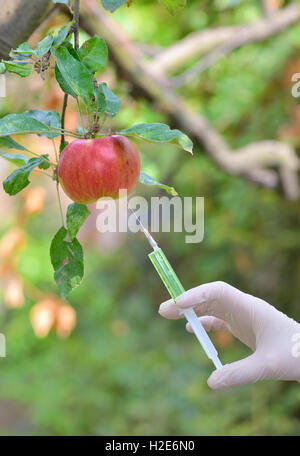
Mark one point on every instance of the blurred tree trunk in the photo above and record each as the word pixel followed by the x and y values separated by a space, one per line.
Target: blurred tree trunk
pixel 18 19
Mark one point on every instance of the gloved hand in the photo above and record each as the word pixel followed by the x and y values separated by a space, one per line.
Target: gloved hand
pixel 273 337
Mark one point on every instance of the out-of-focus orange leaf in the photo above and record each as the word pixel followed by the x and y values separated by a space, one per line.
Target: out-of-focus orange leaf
pixel 7 268
pixel 13 294
pixel 34 200
pixel 54 99
pixel 275 4
pixel 12 241
pixel 50 313
pixel 43 315
pixel 291 68
pixel 65 321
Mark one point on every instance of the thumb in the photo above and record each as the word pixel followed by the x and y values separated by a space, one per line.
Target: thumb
pixel 247 370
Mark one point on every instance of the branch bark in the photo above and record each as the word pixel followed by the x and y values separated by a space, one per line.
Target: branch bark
pixel 18 19
pixel 192 46
pixel 252 33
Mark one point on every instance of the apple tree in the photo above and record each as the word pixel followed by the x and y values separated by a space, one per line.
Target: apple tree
pixel 77 70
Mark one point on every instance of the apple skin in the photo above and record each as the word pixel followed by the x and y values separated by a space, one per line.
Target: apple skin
pixel 89 169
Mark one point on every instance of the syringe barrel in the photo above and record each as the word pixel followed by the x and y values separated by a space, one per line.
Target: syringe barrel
pixel 202 336
pixel 166 273
pixel 174 287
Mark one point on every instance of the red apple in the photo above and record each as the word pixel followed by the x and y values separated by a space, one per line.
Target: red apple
pixel 91 168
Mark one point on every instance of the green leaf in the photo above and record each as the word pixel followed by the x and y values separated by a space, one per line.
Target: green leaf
pixel 67 261
pixel 18 68
pixel 63 84
pixel 112 5
pixel 45 164
pixel 2 68
pixel 158 132
pixel 106 100
pixel 75 74
pixel 93 54
pixel 76 215
pixel 81 131
pixel 148 180
pixel 9 143
pixel 100 103
pixel 173 5
pixel 20 124
pixel 48 118
pixel 22 52
pixel 44 46
pixel 18 180
pixel 72 51
pixel 61 81
pixel 16 159
pixel 62 34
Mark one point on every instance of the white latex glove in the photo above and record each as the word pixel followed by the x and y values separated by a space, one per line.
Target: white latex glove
pixel 273 337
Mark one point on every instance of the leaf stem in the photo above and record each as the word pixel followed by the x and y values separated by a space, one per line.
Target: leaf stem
pixel 42 172
pixel 55 150
pixel 59 203
pixel 37 155
pixel 69 132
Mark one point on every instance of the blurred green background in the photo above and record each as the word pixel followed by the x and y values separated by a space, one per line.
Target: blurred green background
pixel 124 370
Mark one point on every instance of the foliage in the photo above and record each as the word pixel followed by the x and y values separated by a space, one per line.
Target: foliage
pixel 75 69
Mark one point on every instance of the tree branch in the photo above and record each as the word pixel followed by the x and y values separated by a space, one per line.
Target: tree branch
pixel 18 19
pixel 252 161
pixel 76 46
pixel 252 33
pixel 76 20
pixel 192 46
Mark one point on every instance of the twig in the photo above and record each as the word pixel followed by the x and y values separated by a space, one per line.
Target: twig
pixel 76 19
pixel 76 45
pixel 63 115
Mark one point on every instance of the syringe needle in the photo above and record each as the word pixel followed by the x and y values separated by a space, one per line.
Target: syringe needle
pixel 152 242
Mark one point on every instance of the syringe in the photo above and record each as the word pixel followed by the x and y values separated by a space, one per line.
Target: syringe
pixel 175 289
